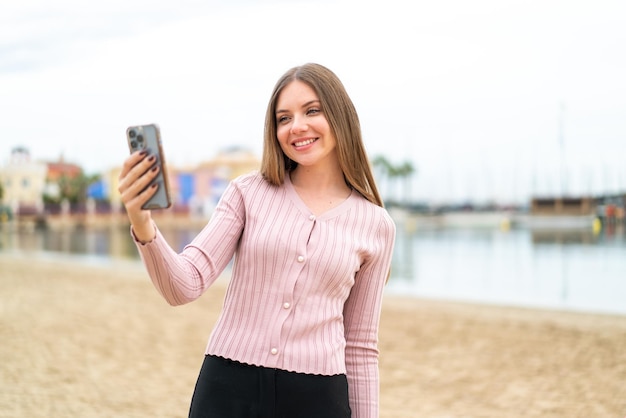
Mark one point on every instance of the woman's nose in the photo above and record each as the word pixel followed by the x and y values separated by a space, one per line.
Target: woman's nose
pixel 299 124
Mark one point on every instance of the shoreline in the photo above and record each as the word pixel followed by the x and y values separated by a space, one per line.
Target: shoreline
pixel 98 341
pixel 498 220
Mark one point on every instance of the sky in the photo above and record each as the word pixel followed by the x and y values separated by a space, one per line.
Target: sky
pixel 489 100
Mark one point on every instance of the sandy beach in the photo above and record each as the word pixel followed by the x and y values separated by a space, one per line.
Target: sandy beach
pixel 81 340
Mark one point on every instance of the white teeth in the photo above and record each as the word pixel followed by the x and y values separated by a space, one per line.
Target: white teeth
pixel 303 143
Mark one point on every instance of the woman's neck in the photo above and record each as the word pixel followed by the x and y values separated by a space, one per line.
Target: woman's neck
pixel 318 179
pixel 320 190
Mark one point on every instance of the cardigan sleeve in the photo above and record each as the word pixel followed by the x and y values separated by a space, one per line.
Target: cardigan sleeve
pixel 182 278
pixel 361 321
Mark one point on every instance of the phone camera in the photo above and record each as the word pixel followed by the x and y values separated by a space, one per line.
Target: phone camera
pixel 140 138
pixel 133 144
pixel 132 133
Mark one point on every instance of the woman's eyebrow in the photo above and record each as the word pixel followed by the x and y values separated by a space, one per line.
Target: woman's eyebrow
pixel 310 102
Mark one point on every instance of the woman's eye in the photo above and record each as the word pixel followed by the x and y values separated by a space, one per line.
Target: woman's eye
pixel 313 111
pixel 282 119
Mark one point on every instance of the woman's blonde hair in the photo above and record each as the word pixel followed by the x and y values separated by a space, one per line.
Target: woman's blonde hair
pixel 344 124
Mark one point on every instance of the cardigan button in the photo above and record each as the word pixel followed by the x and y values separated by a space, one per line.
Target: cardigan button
pixel 286 305
pixel 311 217
pixel 300 259
pixel 274 351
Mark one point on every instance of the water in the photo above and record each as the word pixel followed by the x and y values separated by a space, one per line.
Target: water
pixel 569 270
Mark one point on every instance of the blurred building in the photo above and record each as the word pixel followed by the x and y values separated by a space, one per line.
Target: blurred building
pixel 56 172
pixel 107 188
pixel 61 168
pixel 199 189
pixel 195 189
pixel 563 206
pixel 24 182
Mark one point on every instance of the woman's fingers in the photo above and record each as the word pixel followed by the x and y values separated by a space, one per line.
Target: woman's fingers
pixel 136 174
pixel 135 180
pixel 131 161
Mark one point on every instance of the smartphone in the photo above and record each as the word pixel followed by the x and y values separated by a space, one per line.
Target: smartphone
pixel 148 138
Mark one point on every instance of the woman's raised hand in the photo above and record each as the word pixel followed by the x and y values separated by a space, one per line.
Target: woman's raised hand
pixel 138 171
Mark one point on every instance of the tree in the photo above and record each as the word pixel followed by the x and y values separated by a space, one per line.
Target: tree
pixel 405 172
pixel 73 189
pixel 382 170
pixel 389 174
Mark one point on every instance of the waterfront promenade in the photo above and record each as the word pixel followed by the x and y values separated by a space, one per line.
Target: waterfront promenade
pixel 493 219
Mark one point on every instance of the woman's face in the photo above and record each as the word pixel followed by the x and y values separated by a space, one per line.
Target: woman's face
pixel 302 129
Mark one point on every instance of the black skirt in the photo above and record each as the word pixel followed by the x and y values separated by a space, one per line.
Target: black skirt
pixel 229 389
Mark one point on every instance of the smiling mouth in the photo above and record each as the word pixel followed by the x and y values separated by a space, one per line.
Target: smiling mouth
pixel 305 142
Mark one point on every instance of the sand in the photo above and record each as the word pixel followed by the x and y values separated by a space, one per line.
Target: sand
pixel 79 340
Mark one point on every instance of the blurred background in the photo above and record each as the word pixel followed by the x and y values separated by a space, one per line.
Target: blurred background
pixel 496 129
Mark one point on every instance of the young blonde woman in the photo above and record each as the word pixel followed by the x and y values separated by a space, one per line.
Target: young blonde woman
pixel 312 245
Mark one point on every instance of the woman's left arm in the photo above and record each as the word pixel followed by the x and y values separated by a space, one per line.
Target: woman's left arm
pixel 361 322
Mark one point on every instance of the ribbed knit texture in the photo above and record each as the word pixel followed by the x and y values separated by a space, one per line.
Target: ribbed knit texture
pixel 305 292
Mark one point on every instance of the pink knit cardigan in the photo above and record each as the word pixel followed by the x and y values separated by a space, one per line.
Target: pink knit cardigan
pixel 305 291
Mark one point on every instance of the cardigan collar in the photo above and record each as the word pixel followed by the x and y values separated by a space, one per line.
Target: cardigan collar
pixel 338 210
